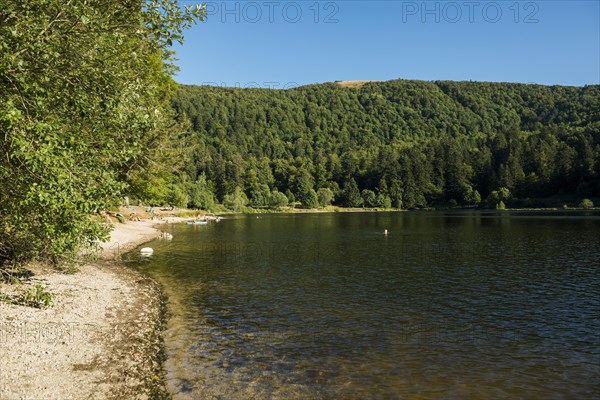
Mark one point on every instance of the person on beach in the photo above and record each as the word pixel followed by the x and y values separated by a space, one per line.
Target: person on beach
pixel 104 214
pixel 133 217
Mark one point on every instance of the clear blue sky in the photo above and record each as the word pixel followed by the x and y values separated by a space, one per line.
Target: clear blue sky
pixel 289 43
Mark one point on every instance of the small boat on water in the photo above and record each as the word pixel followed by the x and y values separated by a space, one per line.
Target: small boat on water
pixel 197 222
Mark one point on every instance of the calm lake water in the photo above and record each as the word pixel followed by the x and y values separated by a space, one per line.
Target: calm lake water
pixel 447 305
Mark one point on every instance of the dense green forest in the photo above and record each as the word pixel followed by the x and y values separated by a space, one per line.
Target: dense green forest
pixel 401 144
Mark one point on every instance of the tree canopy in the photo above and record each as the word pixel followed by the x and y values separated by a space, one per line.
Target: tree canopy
pixel 85 110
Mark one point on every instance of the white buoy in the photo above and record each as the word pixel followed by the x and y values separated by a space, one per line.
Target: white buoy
pixel 146 251
pixel 385 232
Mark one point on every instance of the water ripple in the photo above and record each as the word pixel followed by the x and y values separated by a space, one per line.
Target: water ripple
pixel 446 306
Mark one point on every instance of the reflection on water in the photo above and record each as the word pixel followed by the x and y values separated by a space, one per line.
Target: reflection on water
pixel 447 305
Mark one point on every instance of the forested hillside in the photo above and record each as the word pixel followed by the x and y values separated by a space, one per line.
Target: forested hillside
pixel 404 144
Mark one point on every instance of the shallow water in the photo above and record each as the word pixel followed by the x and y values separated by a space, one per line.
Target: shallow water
pixel 447 305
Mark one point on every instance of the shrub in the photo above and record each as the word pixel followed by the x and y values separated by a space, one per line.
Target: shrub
pixel 498 196
pixel 384 201
pixel 369 198
pixel 37 296
pixel 278 199
pixel 311 200
pixel 586 204
pixel 237 200
pixel 325 196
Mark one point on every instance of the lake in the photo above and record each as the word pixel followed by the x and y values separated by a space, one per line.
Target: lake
pixel 447 305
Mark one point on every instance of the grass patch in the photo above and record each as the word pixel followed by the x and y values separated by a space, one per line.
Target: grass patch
pixel 36 296
pixel 27 295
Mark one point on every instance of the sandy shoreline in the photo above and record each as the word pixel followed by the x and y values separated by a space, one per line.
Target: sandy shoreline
pixel 101 338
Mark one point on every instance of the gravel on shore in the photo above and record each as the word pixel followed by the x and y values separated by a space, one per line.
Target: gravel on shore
pixel 100 338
